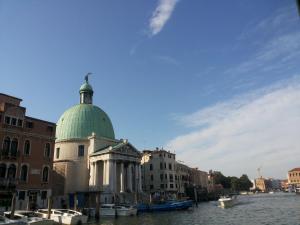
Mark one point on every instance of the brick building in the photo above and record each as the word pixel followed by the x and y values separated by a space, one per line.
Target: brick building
pixel 26 155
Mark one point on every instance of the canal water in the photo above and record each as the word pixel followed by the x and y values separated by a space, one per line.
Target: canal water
pixel 260 209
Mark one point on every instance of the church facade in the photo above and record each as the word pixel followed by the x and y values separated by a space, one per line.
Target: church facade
pixel 88 160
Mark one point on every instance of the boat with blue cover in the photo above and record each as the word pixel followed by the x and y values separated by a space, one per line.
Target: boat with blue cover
pixel 165 206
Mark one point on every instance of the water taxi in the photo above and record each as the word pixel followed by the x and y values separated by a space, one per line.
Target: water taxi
pixel 228 201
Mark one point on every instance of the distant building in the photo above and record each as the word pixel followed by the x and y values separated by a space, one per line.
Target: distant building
pixel 199 178
pixel 285 185
pixel 262 184
pixel 294 177
pixel 183 178
pixel 159 172
pixel 26 155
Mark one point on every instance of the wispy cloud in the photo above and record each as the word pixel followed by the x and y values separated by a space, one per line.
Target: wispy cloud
pixel 168 60
pixel 161 15
pixel 239 135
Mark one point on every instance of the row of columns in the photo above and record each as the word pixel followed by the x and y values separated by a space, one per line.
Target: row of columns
pixel 127 175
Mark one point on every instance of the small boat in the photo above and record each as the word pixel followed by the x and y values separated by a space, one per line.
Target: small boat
pixel 297 190
pixel 117 210
pixel 28 217
pixel 228 201
pixel 7 221
pixel 271 192
pixel 165 206
pixel 64 216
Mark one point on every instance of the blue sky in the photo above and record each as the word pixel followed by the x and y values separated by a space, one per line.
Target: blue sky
pixel 186 75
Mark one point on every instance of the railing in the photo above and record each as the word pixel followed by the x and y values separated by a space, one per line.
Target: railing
pixel 12 154
pixel 8 183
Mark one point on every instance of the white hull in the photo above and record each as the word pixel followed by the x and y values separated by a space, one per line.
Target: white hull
pixel 30 218
pixel 111 210
pixel 227 202
pixel 64 216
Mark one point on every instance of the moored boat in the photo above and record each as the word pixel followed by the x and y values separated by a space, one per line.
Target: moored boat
pixel 117 210
pixel 28 217
pixel 297 190
pixel 165 206
pixel 64 216
pixel 7 221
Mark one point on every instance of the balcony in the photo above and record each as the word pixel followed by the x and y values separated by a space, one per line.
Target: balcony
pixel 12 155
pixel 8 183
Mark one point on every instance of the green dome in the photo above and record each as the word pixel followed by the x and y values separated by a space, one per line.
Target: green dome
pixel 86 87
pixel 80 121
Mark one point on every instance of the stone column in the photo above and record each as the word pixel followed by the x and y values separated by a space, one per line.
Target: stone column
pixel 140 178
pixel 136 178
pixel 104 172
pixel 96 174
pixel 122 177
pixel 92 168
pixel 129 177
pixel 112 175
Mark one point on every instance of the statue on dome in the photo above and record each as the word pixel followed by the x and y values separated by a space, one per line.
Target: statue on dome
pixel 87 77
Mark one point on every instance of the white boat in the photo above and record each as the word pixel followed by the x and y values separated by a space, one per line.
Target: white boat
pixel 117 210
pixel 6 221
pixel 28 217
pixel 297 190
pixel 228 201
pixel 271 192
pixel 64 216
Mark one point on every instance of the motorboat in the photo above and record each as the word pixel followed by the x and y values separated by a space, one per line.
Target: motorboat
pixel 166 206
pixel 64 216
pixel 117 210
pixel 28 217
pixel 7 221
pixel 228 201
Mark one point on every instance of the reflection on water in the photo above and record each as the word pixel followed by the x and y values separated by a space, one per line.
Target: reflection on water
pixel 278 208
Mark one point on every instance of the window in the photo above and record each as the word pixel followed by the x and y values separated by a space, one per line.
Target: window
pixel 27 147
pixel 165 165
pixel 161 165
pixel 151 167
pixel 14 147
pixel 170 166
pixel 29 124
pixel 57 152
pixel 47 150
pixel 162 185
pixel 50 128
pixel 7 120
pixel 171 186
pixel 80 150
pixel 6 144
pixel 151 186
pixel 24 170
pixel 151 176
pixel 11 173
pixel 45 174
pixel 44 195
pixel 21 195
pixel 20 123
pixel 14 121
pixel 2 170
pixel 161 176
pixel 166 176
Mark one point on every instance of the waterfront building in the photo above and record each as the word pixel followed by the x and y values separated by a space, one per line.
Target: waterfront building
pixel 294 177
pixel 158 172
pixel 262 184
pixel 26 155
pixel 89 160
pixel 183 178
pixel 199 178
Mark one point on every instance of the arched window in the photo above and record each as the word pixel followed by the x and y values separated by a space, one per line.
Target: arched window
pixel 24 170
pixel 45 174
pixel 2 170
pixel 14 147
pixel 27 147
pixel 6 144
pixel 11 171
pixel 47 150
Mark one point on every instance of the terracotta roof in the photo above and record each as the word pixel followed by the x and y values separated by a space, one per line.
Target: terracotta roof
pixel 295 169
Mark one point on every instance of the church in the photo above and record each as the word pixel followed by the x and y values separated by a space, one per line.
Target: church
pixel 89 160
